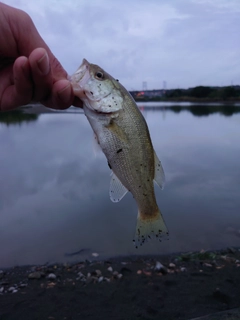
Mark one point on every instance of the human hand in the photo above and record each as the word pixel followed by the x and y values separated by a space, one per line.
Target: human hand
pixel 28 69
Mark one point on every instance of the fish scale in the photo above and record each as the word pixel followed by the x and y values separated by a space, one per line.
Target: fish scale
pixel 124 138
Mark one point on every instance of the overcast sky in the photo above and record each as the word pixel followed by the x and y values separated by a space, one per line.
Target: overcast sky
pixel 183 42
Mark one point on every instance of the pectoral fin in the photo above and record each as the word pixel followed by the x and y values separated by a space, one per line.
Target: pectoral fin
pixel 117 190
pixel 159 177
pixel 96 147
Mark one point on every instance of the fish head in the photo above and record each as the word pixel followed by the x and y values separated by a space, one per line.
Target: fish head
pixel 96 88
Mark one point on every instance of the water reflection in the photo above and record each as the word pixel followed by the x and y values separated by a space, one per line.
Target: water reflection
pixel 54 192
pixel 195 109
pixel 16 117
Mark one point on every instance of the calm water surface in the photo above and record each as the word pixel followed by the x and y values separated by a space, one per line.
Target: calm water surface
pixel 54 187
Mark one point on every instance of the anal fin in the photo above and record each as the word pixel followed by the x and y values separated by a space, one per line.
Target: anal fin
pixel 159 177
pixel 117 190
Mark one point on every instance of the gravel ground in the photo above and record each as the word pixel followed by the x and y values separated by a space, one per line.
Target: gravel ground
pixel 181 286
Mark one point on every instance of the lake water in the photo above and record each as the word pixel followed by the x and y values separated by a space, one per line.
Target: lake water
pixel 54 188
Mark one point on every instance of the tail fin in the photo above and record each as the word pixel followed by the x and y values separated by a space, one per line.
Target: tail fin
pixel 146 229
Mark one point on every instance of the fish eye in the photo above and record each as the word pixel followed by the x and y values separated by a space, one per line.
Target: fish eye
pixel 99 75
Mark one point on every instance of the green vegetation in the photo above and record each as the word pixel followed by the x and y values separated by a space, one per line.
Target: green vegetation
pixel 193 256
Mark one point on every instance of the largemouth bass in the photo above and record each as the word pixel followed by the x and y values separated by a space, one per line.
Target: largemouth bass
pixel 124 138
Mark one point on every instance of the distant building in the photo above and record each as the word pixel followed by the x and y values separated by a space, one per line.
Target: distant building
pixel 148 94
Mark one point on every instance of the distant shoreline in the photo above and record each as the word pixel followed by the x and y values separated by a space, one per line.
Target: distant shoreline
pixel 189 99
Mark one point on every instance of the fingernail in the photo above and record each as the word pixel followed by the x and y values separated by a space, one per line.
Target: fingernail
pixel 64 95
pixel 43 65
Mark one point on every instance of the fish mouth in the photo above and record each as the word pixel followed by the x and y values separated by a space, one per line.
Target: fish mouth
pixel 80 77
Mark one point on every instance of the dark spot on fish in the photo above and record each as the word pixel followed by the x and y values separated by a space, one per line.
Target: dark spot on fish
pixel 141 165
pixel 109 106
pixel 148 180
pixel 84 92
pixel 112 97
pixel 91 93
pixel 109 165
pixel 139 186
pixel 119 150
pixel 117 80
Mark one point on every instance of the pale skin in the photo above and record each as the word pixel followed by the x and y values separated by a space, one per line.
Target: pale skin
pixel 28 69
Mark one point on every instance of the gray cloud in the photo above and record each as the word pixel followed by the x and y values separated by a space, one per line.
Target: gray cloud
pixel 187 43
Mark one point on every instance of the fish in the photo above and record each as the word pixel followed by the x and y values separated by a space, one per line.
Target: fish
pixel 123 135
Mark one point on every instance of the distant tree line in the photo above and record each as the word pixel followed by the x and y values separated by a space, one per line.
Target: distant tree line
pixel 202 92
pixel 199 93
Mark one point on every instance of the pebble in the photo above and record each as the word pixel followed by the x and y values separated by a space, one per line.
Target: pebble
pixel 95 254
pixel 159 267
pixel 119 276
pixel 1 289
pixel 110 269
pixel 98 273
pixel 35 275
pixel 81 276
pixel 231 250
pixel 183 269
pixel 208 265
pixel 100 279
pixel 12 289
pixel 172 265
pixel 115 274
pixel 51 276
pixel 147 273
